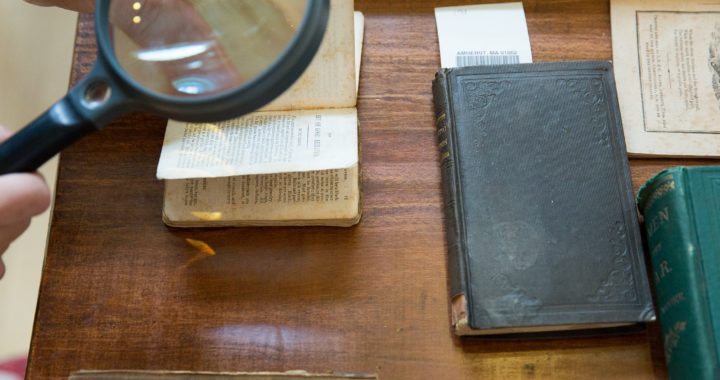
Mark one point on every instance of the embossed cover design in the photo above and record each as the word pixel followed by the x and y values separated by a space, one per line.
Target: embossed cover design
pixel 541 222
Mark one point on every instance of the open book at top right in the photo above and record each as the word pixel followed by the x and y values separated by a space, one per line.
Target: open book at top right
pixel 666 56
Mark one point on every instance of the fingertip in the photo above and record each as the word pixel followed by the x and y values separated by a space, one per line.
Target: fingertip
pixel 20 228
pixel 27 191
pixel 42 194
pixel 37 196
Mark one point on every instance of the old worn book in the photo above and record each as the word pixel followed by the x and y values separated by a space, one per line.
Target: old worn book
pixel 542 229
pixel 295 162
pixel 666 55
pixel 681 207
pixel 186 375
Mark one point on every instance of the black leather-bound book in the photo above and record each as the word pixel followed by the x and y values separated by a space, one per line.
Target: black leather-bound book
pixel 541 222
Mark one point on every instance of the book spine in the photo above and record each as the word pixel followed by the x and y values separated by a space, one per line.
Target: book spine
pixel 685 317
pixel 446 144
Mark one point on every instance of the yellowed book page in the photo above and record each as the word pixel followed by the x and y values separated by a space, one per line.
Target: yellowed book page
pixel 177 149
pixel 666 57
pixel 261 143
pixel 264 199
pixel 329 81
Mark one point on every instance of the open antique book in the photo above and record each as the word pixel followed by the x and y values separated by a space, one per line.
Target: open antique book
pixel 187 375
pixel 294 162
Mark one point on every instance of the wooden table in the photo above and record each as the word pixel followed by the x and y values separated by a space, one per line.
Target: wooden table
pixel 117 292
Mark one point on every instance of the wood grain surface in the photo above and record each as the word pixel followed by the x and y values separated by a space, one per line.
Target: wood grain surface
pixel 122 291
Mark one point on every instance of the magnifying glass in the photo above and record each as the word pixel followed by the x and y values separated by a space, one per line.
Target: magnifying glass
pixel 190 60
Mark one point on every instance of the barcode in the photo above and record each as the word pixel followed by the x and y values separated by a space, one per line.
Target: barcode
pixel 484 60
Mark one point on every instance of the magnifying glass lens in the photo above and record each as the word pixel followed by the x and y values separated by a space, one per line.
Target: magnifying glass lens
pixel 198 48
pixel 190 60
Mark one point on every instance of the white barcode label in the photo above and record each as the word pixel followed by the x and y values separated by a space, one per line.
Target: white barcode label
pixel 486 60
pixel 463 34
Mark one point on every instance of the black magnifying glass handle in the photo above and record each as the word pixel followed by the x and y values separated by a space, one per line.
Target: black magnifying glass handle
pixel 58 127
pixel 184 60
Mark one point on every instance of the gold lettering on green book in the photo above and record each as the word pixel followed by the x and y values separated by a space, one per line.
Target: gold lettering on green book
pixel 657 220
pixel 656 249
pixel 672 338
pixel 661 190
pixel 674 300
pixel 663 270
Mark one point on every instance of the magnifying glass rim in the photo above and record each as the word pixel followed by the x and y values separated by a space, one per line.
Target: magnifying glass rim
pixel 293 60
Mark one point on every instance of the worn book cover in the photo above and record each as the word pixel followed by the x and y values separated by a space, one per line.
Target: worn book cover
pixel 542 228
pixel 187 375
pixel 666 55
pixel 295 162
pixel 681 207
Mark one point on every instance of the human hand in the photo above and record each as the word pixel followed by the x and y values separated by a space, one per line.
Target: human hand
pixel 22 196
pixel 73 5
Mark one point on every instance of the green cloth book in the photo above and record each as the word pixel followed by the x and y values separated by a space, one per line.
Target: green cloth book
pixel 681 207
